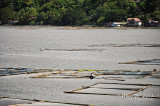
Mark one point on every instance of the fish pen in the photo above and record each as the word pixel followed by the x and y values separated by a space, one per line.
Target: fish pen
pixel 98 74
pixel 113 89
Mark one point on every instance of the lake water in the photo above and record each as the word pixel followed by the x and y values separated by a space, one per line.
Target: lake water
pixel 61 48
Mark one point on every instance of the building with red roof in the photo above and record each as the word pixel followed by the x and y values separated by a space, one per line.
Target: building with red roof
pixel 134 22
pixel 151 22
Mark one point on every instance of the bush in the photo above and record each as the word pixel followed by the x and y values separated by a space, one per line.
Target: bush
pixel 32 23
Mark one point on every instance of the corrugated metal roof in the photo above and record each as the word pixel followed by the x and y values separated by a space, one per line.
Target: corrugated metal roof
pixel 135 19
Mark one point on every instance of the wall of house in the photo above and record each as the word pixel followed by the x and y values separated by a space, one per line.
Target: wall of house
pixel 137 23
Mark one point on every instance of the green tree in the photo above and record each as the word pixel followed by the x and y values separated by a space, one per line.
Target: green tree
pixel 41 17
pixel 77 12
pixel 7 13
pixel 116 15
pixel 152 5
pixel 27 15
pixel 74 17
pixel 155 15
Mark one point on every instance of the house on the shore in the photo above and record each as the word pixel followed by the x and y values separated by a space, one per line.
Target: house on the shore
pixel 133 22
pixel 10 22
pixel 117 24
pixel 151 22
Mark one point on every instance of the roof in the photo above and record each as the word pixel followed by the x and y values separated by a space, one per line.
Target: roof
pixel 135 19
pixel 153 21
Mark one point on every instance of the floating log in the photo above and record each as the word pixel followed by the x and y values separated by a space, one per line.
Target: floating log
pixel 1 97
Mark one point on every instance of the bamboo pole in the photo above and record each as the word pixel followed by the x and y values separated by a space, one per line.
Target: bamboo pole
pixel 137 62
pixel 134 89
pixel 96 93
pixel 42 101
pixel 139 90
pixel 83 87
pixel 156 97
pixel 130 84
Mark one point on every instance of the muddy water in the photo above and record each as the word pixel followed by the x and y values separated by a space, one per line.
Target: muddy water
pixel 59 48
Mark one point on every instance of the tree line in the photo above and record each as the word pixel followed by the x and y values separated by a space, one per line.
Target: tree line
pixel 77 12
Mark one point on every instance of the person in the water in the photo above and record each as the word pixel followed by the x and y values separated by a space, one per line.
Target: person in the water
pixel 92 76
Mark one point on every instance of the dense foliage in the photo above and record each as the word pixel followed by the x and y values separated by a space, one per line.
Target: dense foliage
pixel 76 12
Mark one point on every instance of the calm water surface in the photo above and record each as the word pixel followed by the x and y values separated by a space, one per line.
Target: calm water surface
pixel 59 48
pixel 51 47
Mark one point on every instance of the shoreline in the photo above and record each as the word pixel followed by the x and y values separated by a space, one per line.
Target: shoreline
pixel 82 27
